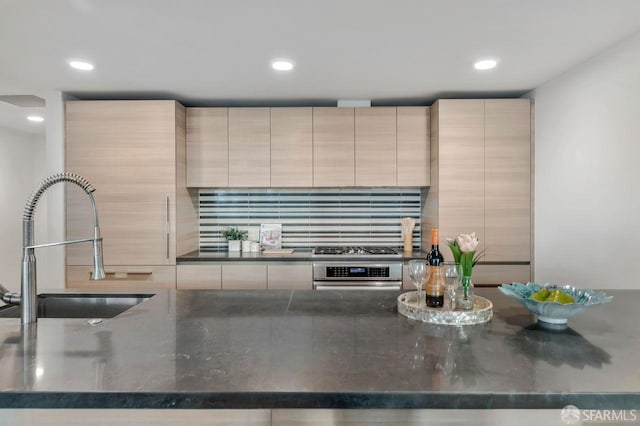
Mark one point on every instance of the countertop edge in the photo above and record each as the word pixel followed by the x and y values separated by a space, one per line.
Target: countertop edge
pixel 315 400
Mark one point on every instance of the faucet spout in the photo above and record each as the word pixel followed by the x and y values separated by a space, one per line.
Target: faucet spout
pixel 29 297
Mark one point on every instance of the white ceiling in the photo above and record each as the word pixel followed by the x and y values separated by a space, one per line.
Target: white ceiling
pixel 217 52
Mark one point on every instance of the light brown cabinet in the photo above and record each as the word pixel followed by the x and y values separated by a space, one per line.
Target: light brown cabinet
pixel 333 147
pixel 249 147
pixel 243 276
pixel 291 147
pixel 480 181
pixel 199 277
pixel 413 144
pixel 289 277
pixel 508 180
pixel 375 146
pixel 124 278
pixel 134 154
pixel 207 147
pixel 307 147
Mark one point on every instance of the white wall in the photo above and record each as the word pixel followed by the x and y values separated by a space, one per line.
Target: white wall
pixel 587 172
pixel 22 162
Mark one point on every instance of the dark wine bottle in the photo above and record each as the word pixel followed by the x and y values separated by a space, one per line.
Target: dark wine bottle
pixel 435 284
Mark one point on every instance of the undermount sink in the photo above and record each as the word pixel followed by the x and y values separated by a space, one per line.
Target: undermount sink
pixel 70 305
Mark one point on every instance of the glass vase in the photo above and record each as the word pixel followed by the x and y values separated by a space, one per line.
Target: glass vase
pixel 464 294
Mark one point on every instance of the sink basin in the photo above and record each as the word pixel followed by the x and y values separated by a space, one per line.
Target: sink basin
pixel 71 305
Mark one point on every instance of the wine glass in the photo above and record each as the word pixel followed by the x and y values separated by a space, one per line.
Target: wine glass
pixel 419 274
pixel 452 275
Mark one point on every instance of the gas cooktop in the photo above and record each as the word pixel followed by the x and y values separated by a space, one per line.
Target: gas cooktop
pixel 354 251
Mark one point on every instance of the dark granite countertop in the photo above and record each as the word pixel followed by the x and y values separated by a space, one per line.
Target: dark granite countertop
pixel 312 349
pixel 296 256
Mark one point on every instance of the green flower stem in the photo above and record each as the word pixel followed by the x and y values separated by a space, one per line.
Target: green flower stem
pixel 466 281
pixel 466 260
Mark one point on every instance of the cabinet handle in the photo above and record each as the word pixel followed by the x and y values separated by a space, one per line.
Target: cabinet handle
pixel 125 275
pixel 168 226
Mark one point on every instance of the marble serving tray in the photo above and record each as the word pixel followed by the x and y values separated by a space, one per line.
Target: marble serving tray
pixel 408 306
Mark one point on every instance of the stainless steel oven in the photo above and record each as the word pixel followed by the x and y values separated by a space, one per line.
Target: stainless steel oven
pixel 357 268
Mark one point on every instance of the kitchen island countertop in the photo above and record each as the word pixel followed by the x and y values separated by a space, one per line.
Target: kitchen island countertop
pixel 313 349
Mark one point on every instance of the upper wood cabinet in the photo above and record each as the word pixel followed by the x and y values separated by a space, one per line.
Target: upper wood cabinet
pixel 507 179
pixel 481 179
pixel 133 153
pixel 291 147
pixel 249 147
pixel 308 147
pixel 375 142
pixel 412 140
pixel 459 171
pixel 333 147
pixel 207 147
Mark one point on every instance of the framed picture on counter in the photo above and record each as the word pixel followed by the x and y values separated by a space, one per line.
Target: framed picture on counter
pixel 271 235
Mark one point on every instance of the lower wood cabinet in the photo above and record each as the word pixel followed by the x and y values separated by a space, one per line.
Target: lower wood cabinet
pixel 123 278
pixel 244 276
pixel 290 277
pixel 199 277
pixel 500 274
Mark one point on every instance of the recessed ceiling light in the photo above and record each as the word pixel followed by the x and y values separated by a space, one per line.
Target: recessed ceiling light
pixel 80 65
pixel 282 65
pixel 35 118
pixel 485 64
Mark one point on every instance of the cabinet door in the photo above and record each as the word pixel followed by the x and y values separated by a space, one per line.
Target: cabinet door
pixel 199 277
pixel 291 147
pixel 461 169
pixel 375 142
pixel 244 277
pixel 126 149
pixel 249 147
pixel 130 278
pixel 207 147
pixel 413 146
pixel 508 180
pixel 289 277
pixel 333 147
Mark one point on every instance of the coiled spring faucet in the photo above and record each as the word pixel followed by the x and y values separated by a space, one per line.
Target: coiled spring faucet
pixel 28 299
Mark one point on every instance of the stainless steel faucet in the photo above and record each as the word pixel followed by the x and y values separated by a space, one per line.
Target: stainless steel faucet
pixel 28 299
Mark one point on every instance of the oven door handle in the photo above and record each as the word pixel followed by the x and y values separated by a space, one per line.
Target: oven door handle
pixel 355 287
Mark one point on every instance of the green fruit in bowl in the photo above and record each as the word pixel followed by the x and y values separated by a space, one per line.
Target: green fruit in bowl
pixel 560 297
pixel 541 295
pixel 557 295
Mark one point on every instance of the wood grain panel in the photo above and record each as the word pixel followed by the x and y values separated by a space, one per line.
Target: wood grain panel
pixel 289 277
pixel 501 274
pixel 126 149
pixel 413 156
pixel 508 180
pixel 249 147
pixel 199 277
pixel 123 277
pixel 333 147
pixel 375 146
pixel 244 277
pixel 461 170
pixel 187 235
pixel 291 147
pixel 207 147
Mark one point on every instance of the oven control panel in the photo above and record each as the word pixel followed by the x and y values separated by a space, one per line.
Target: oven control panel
pixel 334 271
pixel 357 271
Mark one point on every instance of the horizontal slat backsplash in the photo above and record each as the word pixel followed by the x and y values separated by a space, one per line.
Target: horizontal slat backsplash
pixel 311 218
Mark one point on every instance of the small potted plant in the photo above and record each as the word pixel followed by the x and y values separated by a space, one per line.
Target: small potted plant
pixel 234 236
